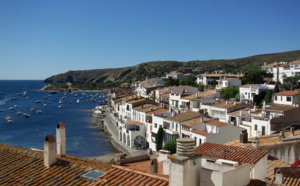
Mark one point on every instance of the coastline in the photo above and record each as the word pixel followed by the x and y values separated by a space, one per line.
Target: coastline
pixel 107 123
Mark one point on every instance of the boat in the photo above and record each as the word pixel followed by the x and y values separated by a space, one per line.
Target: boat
pixel 19 113
pixel 59 106
pixel 11 108
pixel 38 111
pixel 25 115
pixel 9 120
pixel 32 109
pixel 38 101
pixel 1 110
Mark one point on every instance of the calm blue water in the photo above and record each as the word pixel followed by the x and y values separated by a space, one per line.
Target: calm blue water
pixel 82 139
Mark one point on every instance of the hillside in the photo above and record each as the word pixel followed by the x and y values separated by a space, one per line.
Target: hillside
pixel 160 68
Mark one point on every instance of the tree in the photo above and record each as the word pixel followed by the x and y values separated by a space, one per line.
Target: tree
pixel 170 146
pixel 255 76
pixel 159 138
pixel 188 80
pixel 171 82
pixel 229 92
pixel 201 87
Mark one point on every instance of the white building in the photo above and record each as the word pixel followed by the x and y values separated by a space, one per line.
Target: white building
pixel 211 79
pixel 237 156
pixel 282 113
pixel 248 91
pixel 226 82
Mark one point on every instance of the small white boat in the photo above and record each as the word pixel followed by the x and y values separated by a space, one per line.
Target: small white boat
pixel 38 101
pixel 38 111
pixel 59 106
pixel 9 120
pixel 25 115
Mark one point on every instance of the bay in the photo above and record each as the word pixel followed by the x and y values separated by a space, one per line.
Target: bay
pixel 82 138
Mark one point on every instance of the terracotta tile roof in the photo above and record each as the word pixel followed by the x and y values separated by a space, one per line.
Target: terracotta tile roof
pixel 272 164
pixel 287 93
pixel 158 111
pixel 144 166
pixel 183 116
pixel 194 121
pixel 250 85
pixel 133 122
pixel 25 167
pixel 268 140
pixel 217 123
pixel 295 62
pixel 290 176
pixel 189 97
pixel 224 104
pixel 200 132
pixel 128 177
pixel 241 154
pixel 280 107
pixel 223 75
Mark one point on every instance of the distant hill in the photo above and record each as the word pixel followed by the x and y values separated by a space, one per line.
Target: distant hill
pixel 161 68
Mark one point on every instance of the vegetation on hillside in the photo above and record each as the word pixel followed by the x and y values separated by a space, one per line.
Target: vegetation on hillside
pixel 106 78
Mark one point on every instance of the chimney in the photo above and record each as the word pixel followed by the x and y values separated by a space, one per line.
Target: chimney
pixel 281 136
pixel 292 131
pixel 255 143
pixel 149 152
pixel 117 159
pixel 234 103
pixel 184 166
pixel 201 119
pixel 154 166
pixel 226 102
pixel 185 146
pixel 279 177
pixel 49 151
pixel 61 139
pixel 244 136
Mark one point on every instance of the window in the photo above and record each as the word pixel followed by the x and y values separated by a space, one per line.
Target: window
pixel 289 98
pixel 255 127
pixel 263 130
pixel 275 98
pixel 155 125
pixel 200 141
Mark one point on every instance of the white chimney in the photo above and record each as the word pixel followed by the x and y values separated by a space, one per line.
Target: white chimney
pixel 61 139
pixel 292 131
pixel 184 166
pixel 279 177
pixel 49 151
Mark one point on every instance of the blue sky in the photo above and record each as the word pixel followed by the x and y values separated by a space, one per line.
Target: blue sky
pixel 41 38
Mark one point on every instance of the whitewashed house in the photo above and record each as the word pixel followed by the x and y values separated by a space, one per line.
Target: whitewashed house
pixel 283 112
pixel 221 110
pixel 203 98
pixel 248 91
pixel 244 159
pixel 226 82
pixel 211 79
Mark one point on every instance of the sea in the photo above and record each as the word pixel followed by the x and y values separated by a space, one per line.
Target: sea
pixel 21 98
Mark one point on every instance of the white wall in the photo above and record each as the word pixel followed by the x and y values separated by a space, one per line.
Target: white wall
pixel 259 170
